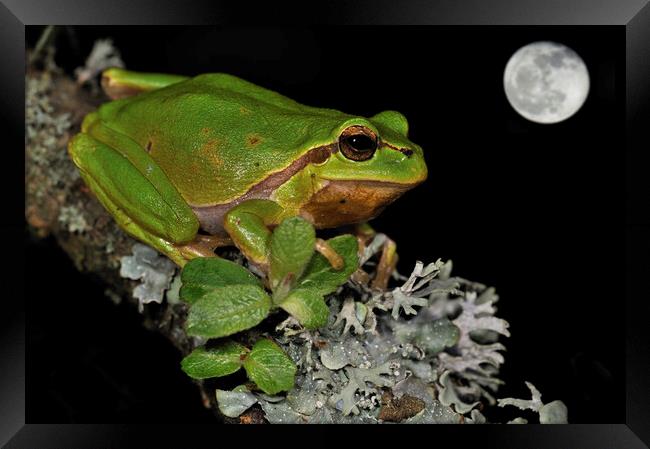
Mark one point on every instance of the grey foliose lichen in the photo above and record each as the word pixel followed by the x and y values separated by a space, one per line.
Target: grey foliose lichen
pixel 154 271
pixel 426 351
pixel 554 412
pixel 102 56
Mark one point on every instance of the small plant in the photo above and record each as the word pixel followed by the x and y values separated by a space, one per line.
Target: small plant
pixel 225 298
pixel 266 364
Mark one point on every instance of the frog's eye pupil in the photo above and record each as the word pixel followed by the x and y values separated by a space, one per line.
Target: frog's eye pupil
pixel 358 143
pixel 361 142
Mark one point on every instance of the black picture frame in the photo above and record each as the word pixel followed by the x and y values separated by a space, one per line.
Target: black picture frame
pixel 633 15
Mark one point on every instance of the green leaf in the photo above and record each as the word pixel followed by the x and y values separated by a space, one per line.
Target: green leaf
pixel 227 310
pixel 291 248
pixel 320 277
pixel 204 274
pixel 218 361
pixel 270 368
pixel 308 307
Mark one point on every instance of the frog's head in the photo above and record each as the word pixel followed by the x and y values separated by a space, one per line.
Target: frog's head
pixel 372 163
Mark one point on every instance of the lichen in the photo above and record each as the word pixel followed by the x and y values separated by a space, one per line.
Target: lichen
pixel 103 56
pixel 426 351
pixel 350 316
pixel 365 361
pixel 417 289
pixel 361 381
pixel 40 117
pixel 49 171
pixel 449 395
pixel 554 412
pixel 173 292
pixel 234 403
pixel 73 218
pixel 154 271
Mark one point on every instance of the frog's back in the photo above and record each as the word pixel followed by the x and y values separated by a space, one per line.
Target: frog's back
pixel 216 136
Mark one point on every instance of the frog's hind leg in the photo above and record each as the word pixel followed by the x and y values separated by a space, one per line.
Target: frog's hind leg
pixel 206 244
pixel 138 194
pixel 119 83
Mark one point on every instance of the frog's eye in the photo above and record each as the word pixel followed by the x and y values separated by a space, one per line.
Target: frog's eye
pixel 358 143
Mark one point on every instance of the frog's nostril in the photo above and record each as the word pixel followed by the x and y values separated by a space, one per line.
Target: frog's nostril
pixel 407 152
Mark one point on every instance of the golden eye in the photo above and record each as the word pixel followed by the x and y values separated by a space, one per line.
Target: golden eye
pixel 358 143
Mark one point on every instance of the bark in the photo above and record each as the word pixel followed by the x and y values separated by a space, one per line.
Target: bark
pixel 59 204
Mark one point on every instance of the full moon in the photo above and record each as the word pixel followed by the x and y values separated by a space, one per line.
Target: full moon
pixel 546 82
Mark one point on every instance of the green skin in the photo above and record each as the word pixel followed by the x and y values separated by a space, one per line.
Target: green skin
pixel 224 155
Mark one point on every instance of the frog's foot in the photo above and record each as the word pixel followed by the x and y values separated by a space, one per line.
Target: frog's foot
pixel 204 246
pixel 387 262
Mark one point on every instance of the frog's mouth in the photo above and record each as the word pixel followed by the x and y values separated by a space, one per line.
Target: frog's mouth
pixel 347 202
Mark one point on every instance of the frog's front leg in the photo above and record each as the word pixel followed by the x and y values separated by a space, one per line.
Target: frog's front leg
pixel 132 187
pixel 387 261
pixel 248 225
pixel 387 265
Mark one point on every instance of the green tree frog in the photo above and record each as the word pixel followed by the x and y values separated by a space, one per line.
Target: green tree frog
pixel 189 164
